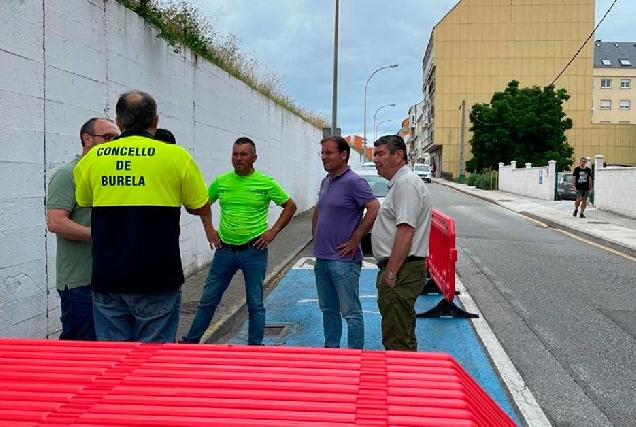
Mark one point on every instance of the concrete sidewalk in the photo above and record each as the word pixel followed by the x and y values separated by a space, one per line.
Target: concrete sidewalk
pixel 605 228
pixel 232 310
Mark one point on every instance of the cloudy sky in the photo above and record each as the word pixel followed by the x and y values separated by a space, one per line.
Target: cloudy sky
pixel 294 39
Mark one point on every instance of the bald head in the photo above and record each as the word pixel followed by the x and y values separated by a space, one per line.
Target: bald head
pixel 136 111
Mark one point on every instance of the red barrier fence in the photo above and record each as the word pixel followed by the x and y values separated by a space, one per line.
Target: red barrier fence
pixel 441 260
pixel 62 383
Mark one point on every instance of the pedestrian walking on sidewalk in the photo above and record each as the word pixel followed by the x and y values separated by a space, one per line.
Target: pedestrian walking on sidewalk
pixel 338 225
pixel 582 182
pixel 244 195
pixel 72 225
pixel 136 186
pixel 400 243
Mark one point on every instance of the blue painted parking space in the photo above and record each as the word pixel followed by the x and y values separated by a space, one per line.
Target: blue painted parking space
pixel 292 308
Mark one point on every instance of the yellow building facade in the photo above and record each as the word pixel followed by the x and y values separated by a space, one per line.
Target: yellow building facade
pixel 481 45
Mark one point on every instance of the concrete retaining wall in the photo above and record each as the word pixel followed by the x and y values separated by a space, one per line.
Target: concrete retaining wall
pixel 64 61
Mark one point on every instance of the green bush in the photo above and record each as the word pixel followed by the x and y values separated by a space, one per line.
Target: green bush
pixel 472 178
pixel 494 180
pixel 481 182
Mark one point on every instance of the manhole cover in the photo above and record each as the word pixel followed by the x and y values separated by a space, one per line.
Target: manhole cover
pixel 277 329
pixel 189 307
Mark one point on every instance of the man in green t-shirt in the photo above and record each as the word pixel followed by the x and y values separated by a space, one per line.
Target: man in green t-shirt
pixel 244 195
pixel 72 225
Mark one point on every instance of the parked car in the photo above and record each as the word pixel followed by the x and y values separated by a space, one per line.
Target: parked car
pixel 368 165
pixel 423 171
pixel 564 189
pixel 379 187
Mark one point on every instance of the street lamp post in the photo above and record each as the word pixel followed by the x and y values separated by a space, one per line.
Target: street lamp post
pixel 364 136
pixel 376 113
pixel 375 134
pixel 334 100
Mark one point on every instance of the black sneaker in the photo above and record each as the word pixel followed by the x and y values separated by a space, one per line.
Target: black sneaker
pixel 575 212
pixel 582 216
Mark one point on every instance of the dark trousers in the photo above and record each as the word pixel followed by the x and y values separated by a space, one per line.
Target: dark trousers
pixel 77 314
pixel 397 305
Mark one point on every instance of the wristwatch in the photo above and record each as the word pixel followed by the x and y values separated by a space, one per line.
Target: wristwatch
pixel 391 275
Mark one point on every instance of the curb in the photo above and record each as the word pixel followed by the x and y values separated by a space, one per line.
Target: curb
pixel 237 313
pixel 589 236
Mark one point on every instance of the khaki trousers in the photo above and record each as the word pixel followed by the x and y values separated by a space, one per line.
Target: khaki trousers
pixel 397 305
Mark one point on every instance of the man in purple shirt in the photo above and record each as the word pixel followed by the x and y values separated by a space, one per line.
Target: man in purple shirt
pixel 338 225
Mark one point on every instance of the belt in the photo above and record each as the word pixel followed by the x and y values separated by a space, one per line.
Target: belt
pixel 236 248
pixel 382 263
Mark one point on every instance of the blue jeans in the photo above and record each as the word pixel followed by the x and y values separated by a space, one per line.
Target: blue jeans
pixel 253 263
pixel 338 285
pixel 76 305
pixel 137 317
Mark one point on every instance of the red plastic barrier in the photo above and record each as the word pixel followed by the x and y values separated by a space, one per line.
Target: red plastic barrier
pixel 442 254
pixel 441 260
pixel 131 384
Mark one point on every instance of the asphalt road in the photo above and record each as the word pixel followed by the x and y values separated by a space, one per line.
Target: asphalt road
pixel 563 309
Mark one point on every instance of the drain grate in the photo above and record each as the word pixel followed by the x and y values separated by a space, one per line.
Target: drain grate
pixel 277 329
pixel 189 307
pixel 596 222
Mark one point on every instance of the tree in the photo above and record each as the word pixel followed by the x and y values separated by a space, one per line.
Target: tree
pixel 527 125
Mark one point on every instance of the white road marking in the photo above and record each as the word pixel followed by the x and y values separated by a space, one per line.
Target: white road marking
pixel 520 393
pixel 307 263
pixel 306 300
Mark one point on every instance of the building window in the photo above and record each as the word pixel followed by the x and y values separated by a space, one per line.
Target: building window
pixel 624 104
pixel 625 62
pixel 606 104
pixel 623 122
pixel 606 62
pixel 606 83
pixel 626 83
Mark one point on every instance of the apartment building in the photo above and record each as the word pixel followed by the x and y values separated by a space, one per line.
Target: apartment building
pixel 481 45
pixel 614 76
pixel 413 140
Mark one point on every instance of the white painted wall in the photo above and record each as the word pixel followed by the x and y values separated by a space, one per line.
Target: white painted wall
pixel 64 61
pixel 614 188
pixel 537 182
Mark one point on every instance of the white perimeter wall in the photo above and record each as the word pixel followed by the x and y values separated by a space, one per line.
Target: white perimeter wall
pixel 614 188
pixel 64 61
pixel 537 182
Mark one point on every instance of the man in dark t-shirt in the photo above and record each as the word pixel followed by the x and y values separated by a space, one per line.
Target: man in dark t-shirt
pixel 582 182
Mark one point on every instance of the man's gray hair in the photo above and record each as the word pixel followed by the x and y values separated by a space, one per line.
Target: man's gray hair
pixel 136 110
pixel 393 143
